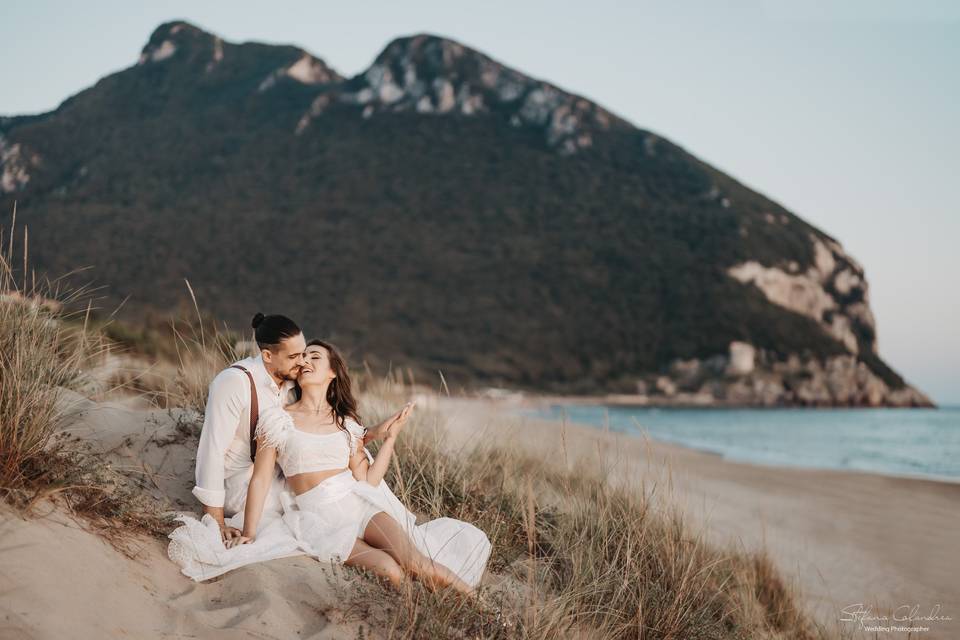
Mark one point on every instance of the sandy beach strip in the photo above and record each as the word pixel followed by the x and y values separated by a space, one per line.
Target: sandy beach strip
pixel 846 537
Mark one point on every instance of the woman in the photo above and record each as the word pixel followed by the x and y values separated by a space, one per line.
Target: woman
pixel 342 509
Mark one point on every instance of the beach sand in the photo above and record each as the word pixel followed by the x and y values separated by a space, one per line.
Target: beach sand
pixel 59 580
pixel 847 537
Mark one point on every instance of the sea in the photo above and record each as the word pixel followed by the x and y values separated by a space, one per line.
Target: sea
pixel 898 442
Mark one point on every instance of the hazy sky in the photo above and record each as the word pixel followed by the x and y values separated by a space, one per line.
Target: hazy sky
pixel 844 112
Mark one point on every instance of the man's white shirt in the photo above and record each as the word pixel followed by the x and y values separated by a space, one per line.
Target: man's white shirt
pixel 224 467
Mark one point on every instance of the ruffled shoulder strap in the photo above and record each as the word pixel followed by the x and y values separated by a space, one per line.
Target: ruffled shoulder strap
pixel 356 431
pixel 274 427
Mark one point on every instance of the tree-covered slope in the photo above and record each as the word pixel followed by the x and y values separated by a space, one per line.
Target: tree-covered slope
pixel 438 210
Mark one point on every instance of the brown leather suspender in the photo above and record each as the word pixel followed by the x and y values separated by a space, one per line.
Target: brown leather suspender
pixel 254 411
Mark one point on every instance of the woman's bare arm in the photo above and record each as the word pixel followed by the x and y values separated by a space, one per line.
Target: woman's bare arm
pixel 263 470
pixel 382 462
pixel 359 464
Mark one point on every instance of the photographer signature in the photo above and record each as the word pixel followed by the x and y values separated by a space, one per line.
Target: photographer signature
pixel 904 613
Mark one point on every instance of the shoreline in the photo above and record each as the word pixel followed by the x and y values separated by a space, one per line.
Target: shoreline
pixel 535 404
pixel 844 536
pixel 688 401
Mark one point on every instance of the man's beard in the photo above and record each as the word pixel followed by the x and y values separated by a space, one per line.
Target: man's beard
pixel 293 375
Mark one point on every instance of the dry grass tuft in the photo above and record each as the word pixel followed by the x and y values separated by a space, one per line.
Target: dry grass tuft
pixel 574 556
pixel 202 350
pixel 73 475
pixel 41 361
pixel 46 353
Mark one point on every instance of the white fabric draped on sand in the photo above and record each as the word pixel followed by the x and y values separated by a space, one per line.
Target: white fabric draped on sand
pixel 197 548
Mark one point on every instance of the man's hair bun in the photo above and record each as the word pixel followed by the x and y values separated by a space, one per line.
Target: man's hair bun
pixel 270 331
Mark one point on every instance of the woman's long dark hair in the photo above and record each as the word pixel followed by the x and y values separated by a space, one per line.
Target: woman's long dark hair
pixel 339 393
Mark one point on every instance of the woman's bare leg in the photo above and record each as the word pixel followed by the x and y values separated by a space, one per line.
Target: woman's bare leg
pixel 380 562
pixel 383 532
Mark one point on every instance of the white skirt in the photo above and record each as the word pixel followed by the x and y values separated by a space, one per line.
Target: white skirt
pixel 328 519
pixel 325 523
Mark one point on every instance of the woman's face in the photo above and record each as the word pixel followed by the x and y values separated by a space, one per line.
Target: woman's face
pixel 317 369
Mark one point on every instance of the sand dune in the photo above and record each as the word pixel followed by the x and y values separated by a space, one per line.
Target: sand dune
pixel 847 537
pixel 60 581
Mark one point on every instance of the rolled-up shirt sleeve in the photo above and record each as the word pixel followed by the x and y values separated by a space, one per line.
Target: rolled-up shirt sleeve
pixel 227 398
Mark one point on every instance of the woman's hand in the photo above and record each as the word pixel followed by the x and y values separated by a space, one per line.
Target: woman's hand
pixel 233 542
pixel 228 533
pixel 378 469
pixel 399 419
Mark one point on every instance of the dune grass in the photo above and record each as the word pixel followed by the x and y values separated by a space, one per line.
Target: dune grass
pixel 47 348
pixel 42 360
pixel 574 555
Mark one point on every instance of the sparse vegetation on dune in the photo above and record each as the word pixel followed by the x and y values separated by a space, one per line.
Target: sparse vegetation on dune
pixel 46 354
pixel 202 350
pixel 41 359
pixel 574 554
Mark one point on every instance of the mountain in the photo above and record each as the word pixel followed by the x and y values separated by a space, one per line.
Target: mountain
pixel 443 211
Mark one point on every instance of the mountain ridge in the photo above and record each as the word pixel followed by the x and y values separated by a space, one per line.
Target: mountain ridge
pixel 594 254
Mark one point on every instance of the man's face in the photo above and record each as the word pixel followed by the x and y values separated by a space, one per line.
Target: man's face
pixel 287 360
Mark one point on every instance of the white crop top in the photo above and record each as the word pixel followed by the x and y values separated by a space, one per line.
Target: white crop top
pixel 300 451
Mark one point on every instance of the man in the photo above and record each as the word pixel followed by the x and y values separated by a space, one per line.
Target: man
pixel 224 464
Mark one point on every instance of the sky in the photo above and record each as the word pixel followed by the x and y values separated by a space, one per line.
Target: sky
pixel 845 113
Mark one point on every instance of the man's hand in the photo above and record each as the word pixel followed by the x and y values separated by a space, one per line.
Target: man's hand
pixel 226 533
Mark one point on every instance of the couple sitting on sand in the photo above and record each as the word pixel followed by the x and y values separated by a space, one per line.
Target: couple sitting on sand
pixel 292 406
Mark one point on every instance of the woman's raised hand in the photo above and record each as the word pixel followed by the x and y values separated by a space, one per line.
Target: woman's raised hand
pixel 399 419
